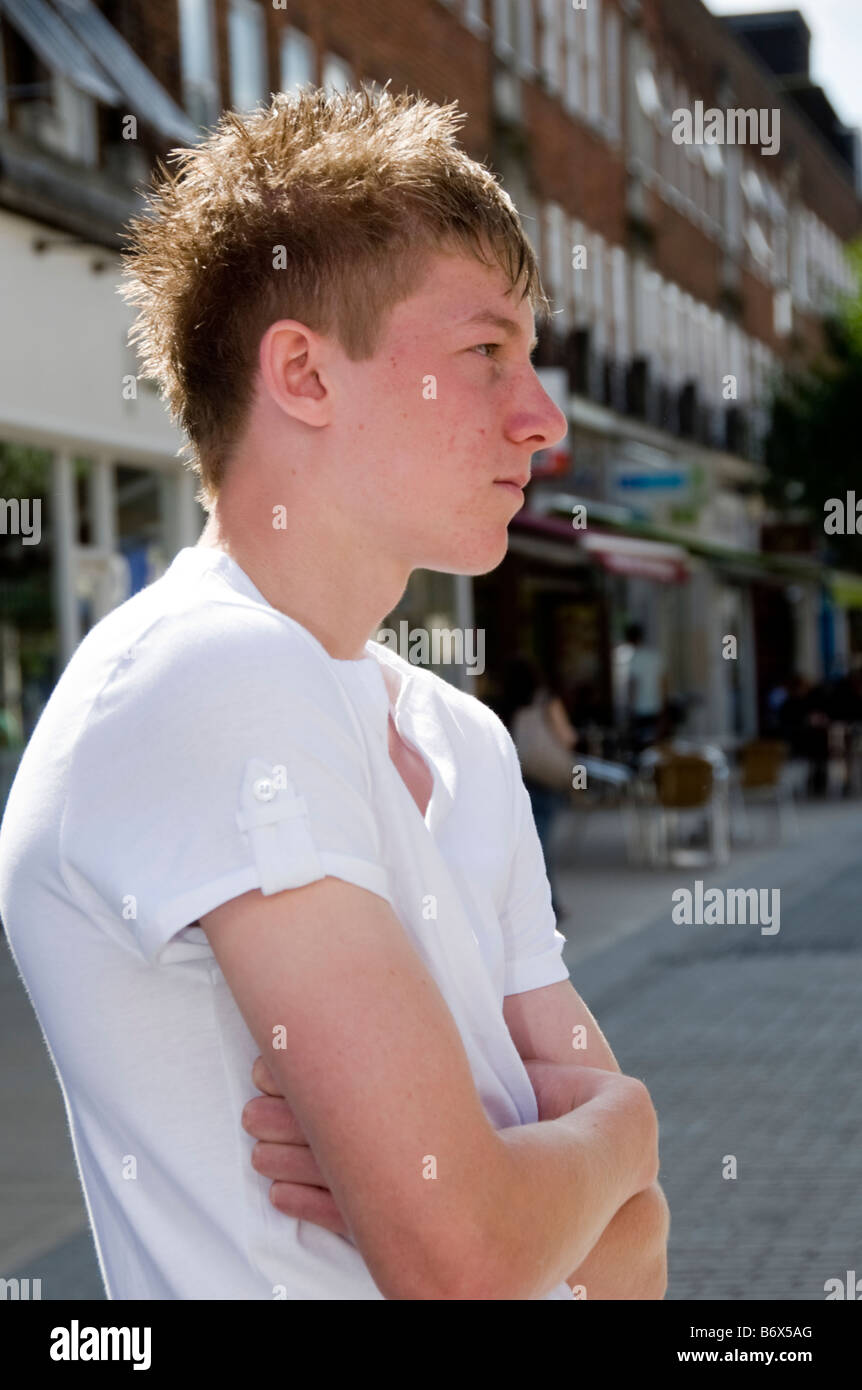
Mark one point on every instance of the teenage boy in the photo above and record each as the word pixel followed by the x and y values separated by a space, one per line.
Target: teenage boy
pixel 242 826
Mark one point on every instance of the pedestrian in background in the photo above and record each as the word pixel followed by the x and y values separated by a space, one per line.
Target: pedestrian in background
pixel 646 688
pixel 536 717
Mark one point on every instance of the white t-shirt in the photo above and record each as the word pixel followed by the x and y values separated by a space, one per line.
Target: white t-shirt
pixel 200 744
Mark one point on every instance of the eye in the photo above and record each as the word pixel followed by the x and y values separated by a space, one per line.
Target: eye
pixel 494 347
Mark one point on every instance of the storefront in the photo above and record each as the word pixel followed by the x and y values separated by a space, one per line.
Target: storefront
pixel 95 500
pixel 564 596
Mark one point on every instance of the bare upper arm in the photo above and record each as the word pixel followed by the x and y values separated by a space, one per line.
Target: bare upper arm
pixel 542 1022
pixel 374 1069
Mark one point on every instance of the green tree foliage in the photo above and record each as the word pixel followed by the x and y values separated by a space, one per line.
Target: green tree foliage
pixel 814 450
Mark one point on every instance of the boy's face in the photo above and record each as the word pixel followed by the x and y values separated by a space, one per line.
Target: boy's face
pixel 430 423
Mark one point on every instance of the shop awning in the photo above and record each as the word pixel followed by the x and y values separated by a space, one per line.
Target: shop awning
pixel 664 546
pixel 619 554
pixel 666 564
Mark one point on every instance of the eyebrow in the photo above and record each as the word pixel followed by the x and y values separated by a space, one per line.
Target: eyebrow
pixel 506 325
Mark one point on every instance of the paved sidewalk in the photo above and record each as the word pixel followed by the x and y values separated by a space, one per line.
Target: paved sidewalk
pixel 750 1046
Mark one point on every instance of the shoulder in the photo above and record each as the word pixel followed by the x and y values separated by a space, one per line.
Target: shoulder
pixel 463 714
pixel 204 666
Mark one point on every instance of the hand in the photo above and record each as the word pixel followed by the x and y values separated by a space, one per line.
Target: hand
pixel 562 1086
pixel 284 1154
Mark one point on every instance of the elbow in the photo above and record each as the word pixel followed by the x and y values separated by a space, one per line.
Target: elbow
pixel 655 1234
pixel 455 1264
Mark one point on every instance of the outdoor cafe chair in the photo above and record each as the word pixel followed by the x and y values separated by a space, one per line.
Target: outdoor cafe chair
pixel 673 781
pixel 761 780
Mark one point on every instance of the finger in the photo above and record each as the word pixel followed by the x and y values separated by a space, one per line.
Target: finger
pixel 314 1204
pixel 288 1163
pixel 264 1080
pixel 267 1117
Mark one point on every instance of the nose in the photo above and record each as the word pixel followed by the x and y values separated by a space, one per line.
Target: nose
pixel 540 420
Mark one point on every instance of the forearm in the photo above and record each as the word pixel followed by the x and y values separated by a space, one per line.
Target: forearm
pixel 563 1181
pixel 629 1261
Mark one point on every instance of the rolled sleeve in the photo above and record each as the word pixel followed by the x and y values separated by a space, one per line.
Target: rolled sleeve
pixel 253 775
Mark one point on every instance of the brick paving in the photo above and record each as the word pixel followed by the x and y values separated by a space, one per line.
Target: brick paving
pixel 751 1047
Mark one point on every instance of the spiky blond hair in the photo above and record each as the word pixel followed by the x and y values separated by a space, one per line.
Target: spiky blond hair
pixel 323 207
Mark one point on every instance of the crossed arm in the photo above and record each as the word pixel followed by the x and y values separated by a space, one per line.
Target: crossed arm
pixel 553 1031
pixel 630 1259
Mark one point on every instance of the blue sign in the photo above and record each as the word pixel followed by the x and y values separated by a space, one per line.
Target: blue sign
pixel 631 482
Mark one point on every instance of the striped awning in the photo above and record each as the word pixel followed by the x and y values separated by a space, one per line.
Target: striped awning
pixel 619 554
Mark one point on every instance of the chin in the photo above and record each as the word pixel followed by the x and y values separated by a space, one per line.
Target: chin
pixel 471 558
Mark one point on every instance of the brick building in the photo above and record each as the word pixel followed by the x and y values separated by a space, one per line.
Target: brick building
pixel 683 275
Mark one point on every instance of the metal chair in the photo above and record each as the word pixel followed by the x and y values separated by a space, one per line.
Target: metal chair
pixel 674 781
pixel 761 780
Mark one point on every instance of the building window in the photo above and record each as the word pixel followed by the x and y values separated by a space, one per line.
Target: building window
pixel 613 78
pixel 247 41
pixel 579 274
pixel 525 35
pixel 780 263
pixel 64 123
pixel 297 60
pixel 554 243
pixel 782 313
pixel 798 266
pixel 713 164
pixel 599 298
pixel 513 33
pixel 619 301
pixel 669 337
pixel 647 306
pixel 645 110
pixel 197 58
pixel 685 154
pixel 551 43
pixel 758 245
pixel 503 36
pixel 474 16
pixel 575 50
pixel 337 73
pixel 733 199
pixel 671 155
pixel 593 14
pixel 76 122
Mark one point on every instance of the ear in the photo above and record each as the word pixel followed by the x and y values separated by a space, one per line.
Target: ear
pixel 293 362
